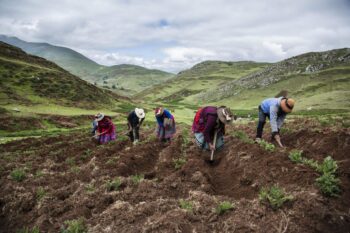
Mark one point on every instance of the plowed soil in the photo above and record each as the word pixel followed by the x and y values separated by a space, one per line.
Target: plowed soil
pixel 73 172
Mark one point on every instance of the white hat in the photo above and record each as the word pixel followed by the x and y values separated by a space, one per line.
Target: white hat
pixel 99 116
pixel 140 113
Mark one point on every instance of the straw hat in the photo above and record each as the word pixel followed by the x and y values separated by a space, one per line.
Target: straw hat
pixel 287 105
pixel 225 115
pixel 99 116
pixel 140 113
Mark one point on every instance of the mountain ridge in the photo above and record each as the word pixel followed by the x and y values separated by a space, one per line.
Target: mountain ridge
pixel 89 70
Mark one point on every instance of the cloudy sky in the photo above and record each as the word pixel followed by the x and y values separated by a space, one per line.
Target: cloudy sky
pixel 175 34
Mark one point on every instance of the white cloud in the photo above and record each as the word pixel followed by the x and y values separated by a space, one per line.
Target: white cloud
pixel 180 32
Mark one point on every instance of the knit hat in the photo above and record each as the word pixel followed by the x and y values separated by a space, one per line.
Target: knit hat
pixel 225 115
pixel 287 105
pixel 140 113
pixel 99 116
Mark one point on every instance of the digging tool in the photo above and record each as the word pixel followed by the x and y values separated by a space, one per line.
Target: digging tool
pixel 214 143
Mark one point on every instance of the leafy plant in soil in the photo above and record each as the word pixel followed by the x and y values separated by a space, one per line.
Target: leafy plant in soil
pixel 40 193
pixel 186 205
pixel 74 226
pixel 296 156
pixel 28 230
pixel 178 163
pixel 224 206
pixel 329 184
pixel 90 188
pixel 328 166
pixel 136 179
pixel 18 174
pixel 267 146
pixel 312 163
pixel 114 184
pixel 275 196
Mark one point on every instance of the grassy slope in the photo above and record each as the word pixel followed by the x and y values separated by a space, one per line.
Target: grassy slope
pixel 327 87
pixel 67 58
pixel 30 80
pixel 243 85
pixel 128 79
pixel 202 77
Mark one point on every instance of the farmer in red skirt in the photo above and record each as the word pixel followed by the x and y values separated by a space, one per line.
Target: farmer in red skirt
pixel 165 124
pixel 105 129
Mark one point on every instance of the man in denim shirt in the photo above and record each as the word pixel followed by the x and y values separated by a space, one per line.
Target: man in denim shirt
pixel 276 110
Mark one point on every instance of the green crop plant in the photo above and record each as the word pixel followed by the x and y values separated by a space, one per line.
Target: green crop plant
pixel 113 184
pixel 112 160
pixel 74 226
pixel 267 146
pixel 18 174
pixel 40 193
pixel 275 196
pixel 224 206
pixel 86 154
pixel 28 230
pixel 186 205
pixel 136 179
pixel 70 161
pixel 329 184
pixel 296 156
pixel 312 163
pixel 90 188
pixel 178 163
pixel 328 166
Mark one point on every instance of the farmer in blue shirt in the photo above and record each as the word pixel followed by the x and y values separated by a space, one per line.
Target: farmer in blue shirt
pixel 276 110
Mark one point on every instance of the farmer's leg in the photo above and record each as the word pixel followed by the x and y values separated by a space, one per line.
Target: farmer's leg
pixel 261 123
pixel 136 133
pixel 131 135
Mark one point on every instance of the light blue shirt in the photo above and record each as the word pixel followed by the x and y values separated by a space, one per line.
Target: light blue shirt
pixel 272 107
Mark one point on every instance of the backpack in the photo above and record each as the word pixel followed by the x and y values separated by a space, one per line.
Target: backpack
pixel 200 120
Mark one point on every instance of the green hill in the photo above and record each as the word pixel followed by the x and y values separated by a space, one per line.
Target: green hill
pixel 30 80
pixel 128 79
pixel 67 58
pixel 208 75
pixel 317 80
pixel 123 79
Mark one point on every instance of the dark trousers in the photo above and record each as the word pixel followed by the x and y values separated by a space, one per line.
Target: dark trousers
pixel 261 123
pixel 134 134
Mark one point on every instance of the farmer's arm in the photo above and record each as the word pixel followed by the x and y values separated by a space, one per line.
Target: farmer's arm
pixel 141 122
pixel 209 127
pixel 274 124
pixel 273 119
pixel 280 121
pixel 160 120
pixel 167 114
